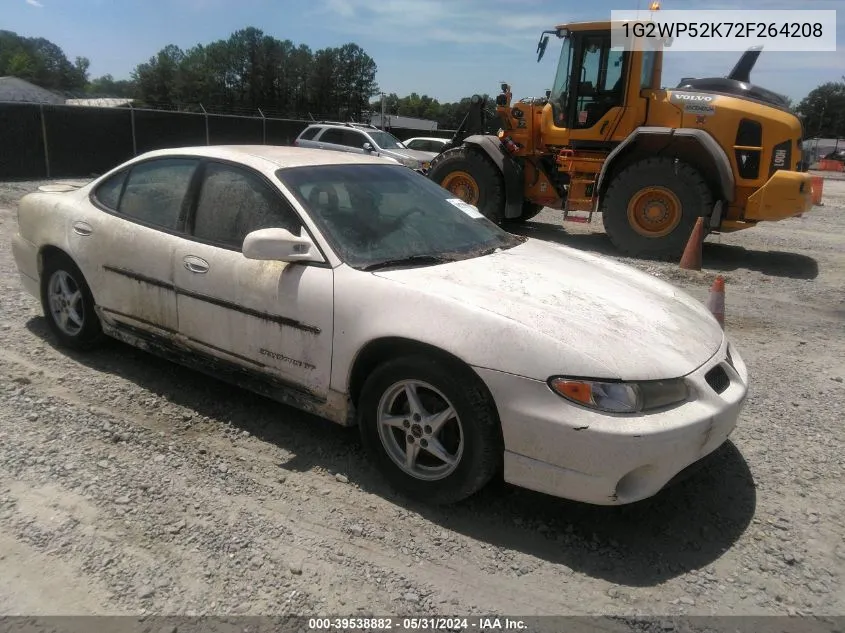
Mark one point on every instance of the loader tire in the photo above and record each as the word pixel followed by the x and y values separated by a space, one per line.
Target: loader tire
pixel 651 207
pixel 529 211
pixel 471 176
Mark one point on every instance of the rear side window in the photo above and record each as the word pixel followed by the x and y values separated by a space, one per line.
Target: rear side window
pixel 155 191
pixel 309 133
pixel 108 193
pixel 332 135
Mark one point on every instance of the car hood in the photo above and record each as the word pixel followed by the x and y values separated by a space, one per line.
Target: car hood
pixel 632 323
pixel 411 153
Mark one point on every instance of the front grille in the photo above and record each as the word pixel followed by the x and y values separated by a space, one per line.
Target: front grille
pixel 718 379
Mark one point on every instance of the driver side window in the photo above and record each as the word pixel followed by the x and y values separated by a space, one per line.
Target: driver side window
pixel 233 202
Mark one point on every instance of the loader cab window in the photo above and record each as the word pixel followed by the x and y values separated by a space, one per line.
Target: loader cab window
pixel 602 85
pixel 647 75
pixel 560 89
pixel 590 80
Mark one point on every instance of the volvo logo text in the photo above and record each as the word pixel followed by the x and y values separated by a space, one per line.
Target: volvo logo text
pixel 692 97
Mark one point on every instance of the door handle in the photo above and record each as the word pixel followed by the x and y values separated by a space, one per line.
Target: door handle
pixel 195 264
pixel 82 228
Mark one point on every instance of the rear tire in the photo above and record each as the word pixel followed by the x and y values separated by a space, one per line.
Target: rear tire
pixel 651 207
pixel 470 438
pixel 471 176
pixel 68 304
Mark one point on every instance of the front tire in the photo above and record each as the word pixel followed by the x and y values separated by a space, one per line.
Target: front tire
pixel 651 207
pixel 471 176
pixel 68 304
pixel 432 430
pixel 529 211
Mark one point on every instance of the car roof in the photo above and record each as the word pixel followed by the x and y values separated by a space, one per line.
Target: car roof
pixel 350 126
pixel 428 138
pixel 274 156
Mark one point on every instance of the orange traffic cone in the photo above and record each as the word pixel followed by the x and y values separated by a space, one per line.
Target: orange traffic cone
pixel 691 259
pixel 817 190
pixel 716 300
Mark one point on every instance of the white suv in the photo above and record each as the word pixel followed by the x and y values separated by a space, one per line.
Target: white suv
pixel 361 138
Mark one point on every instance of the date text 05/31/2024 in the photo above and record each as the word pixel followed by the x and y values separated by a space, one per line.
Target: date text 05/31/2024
pixel 417 624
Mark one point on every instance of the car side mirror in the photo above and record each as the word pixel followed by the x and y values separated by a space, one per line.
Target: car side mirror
pixel 280 245
pixel 368 146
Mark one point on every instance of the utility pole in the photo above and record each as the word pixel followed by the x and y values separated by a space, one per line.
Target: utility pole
pixel 382 111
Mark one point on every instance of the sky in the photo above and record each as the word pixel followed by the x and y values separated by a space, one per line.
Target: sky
pixel 447 49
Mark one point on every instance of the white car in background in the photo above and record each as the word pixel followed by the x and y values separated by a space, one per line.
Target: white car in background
pixel 361 291
pixel 362 138
pixel 426 143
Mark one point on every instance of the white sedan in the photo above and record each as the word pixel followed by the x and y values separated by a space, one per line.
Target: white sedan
pixel 426 143
pixel 357 289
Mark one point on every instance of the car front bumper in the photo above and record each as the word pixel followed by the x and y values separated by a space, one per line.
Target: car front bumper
pixel 561 449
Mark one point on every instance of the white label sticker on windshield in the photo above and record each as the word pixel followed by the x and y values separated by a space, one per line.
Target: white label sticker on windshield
pixel 467 208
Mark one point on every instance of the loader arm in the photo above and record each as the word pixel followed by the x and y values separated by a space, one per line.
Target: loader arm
pixel 474 123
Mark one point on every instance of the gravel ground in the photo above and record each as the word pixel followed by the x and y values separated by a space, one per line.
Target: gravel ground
pixel 130 485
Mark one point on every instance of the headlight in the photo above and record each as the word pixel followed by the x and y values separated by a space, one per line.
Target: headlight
pixel 620 397
pixel 410 162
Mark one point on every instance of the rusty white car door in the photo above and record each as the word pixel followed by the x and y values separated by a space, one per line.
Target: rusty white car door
pixel 268 317
pixel 124 242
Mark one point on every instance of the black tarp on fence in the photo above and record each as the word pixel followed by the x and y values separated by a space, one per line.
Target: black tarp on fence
pixel 161 130
pixel 21 142
pixel 86 141
pixel 284 131
pixel 83 141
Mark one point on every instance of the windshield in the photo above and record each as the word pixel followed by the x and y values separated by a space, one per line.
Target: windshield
pixel 377 213
pixel 385 140
pixel 560 90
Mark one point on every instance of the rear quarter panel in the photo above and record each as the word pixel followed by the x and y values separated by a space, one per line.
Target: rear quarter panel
pixel 45 220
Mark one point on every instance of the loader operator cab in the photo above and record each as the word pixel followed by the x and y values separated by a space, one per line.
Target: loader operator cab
pixel 584 91
pixel 592 76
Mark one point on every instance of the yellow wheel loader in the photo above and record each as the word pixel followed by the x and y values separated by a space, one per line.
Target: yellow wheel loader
pixel 607 138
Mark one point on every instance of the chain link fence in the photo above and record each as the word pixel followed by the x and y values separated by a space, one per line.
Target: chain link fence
pixel 72 141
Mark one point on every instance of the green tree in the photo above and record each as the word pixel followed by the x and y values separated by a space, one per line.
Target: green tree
pixel 107 86
pixel 41 62
pixel 251 70
pixel 323 84
pixel 823 111
pixel 156 80
pixel 356 76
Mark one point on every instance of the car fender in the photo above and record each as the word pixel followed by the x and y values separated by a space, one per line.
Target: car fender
pixel 714 155
pixel 472 335
pixel 511 171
